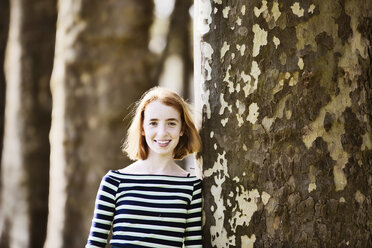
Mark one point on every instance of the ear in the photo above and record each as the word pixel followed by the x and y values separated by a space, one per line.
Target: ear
pixel 181 133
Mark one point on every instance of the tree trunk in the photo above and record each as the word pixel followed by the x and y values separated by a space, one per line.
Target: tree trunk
pixel 4 27
pixel 101 67
pixel 286 113
pixel 180 42
pixel 25 160
pixel 178 46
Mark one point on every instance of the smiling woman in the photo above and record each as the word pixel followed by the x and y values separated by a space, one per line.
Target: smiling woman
pixel 162 128
pixel 152 202
pixel 135 145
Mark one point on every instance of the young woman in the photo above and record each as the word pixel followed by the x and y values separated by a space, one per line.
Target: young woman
pixel 152 202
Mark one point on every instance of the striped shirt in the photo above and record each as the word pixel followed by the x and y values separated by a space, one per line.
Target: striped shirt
pixel 147 211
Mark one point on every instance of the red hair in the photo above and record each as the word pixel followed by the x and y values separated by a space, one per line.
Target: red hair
pixel 135 144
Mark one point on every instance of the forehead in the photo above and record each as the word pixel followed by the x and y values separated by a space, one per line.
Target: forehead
pixel 158 110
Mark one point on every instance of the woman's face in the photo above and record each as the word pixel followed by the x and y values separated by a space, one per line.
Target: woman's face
pixel 162 128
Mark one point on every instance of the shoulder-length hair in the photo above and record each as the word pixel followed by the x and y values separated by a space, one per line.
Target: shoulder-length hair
pixel 135 144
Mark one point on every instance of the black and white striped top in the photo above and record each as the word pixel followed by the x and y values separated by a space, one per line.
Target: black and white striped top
pixel 147 211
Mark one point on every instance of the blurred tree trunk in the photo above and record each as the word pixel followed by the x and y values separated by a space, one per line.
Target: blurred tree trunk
pixel 4 27
pixel 25 160
pixel 101 67
pixel 178 44
pixel 287 107
pixel 179 40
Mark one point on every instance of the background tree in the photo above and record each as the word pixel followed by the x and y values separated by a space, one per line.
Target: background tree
pixel 4 26
pixel 102 66
pixel 286 100
pixel 178 45
pixel 25 159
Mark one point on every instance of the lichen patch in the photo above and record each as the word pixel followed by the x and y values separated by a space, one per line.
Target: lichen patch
pixel 241 49
pixel 276 42
pixel 225 12
pixel 275 11
pixel 297 10
pixel 224 49
pixel 265 197
pixel 246 207
pixel 224 121
pixel 224 105
pixel 241 109
pixel 255 72
pixel 259 39
pixel 230 83
pixel 207 51
pixel 253 113
pixel 311 9
pixel 243 10
pixel 248 242
pixel 258 11
pixel 300 63
pixel 219 170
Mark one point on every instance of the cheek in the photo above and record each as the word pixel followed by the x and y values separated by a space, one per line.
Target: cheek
pixel 178 132
pixel 146 132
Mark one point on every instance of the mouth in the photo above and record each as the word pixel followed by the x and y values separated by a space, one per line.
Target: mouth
pixel 162 143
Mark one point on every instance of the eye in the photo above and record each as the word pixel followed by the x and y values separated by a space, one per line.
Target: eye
pixel 172 123
pixel 153 123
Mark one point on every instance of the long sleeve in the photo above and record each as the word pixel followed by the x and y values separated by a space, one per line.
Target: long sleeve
pixel 193 232
pixel 103 212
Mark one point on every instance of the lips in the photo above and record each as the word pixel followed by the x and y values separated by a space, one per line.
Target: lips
pixel 162 143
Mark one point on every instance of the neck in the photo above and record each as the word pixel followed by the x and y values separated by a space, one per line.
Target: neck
pixel 157 163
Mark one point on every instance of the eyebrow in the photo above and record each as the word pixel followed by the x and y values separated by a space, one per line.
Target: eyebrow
pixel 170 119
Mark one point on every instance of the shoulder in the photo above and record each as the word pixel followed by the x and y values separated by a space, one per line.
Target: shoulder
pixel 197 182
pixel 109 183
pixel 111 177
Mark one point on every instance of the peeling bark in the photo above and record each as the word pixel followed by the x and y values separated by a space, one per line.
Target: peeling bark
pixel 286 114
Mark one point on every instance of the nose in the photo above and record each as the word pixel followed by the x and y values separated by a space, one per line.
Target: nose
pixel 162 130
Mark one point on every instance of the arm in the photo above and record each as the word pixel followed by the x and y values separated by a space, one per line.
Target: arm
pixel 193 233
pixel 103 212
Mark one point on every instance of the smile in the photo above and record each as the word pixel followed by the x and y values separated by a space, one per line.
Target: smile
pixel 163 142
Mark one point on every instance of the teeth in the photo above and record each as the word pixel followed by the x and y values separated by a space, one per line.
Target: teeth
pixel 162 141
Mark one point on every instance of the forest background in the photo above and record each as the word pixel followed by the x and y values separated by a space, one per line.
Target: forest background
pixel 282 92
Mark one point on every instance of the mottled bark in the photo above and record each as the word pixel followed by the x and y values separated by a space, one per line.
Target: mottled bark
pixel 101 67
pixel 25 160
pixel 4 27
pixel 286 115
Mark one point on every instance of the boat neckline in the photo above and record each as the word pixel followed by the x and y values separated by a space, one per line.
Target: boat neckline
pixel 162 175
